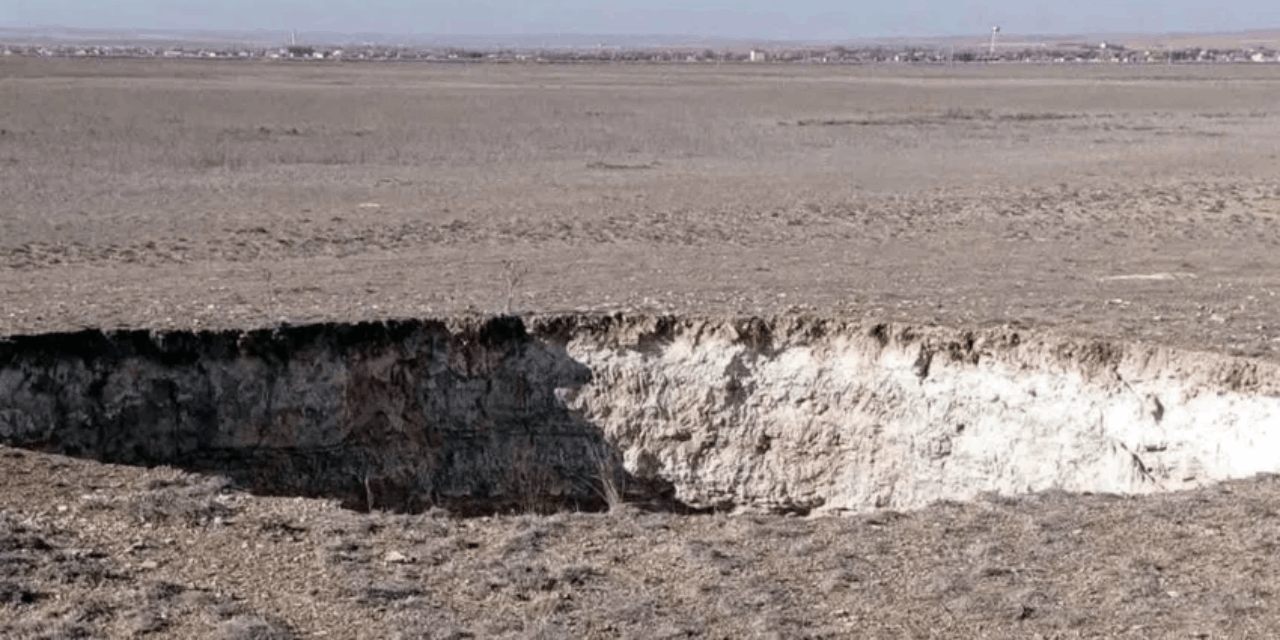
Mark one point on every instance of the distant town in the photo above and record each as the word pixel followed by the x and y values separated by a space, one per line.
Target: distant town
pixel 1099 52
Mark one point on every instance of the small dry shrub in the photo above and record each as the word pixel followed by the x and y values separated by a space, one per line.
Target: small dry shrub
pixel 91 569
pixel 21 536
pixel 17 563
pixel 253 627
pixel 387 593
pixel 98 501
pixel 713 554
pixel 547 630
pixel 428 526
pixel 171 494
pixel 163 591
pixel 278 527
pixel 534 488
pixel 632 611
pixel 146 618
pixel 611 477
pixel 46 630
pixel 577 575
pixel 427 624
pixel 513 275
pixel 956 113
pixel 529 539
pixel 348 548
pixel 521 579
pixel 16 594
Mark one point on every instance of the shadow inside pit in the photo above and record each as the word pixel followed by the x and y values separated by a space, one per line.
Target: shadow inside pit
pixel 402 416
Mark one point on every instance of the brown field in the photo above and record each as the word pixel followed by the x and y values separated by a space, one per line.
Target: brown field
pixel 1122 203
pixel 179 195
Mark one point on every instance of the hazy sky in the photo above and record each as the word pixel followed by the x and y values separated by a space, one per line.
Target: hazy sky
pixel 780 19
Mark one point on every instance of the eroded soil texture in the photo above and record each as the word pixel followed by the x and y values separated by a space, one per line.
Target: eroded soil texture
pixel 1133 202
pixel 94 550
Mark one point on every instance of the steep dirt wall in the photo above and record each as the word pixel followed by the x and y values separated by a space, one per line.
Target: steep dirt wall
pixel 400 415
pixel 796 414
pixel 819 414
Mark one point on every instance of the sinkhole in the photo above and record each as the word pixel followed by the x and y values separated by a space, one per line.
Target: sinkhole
pixel 785 414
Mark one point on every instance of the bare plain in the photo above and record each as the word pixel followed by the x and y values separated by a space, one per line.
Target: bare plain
pixel 1122 203
pixel 194 195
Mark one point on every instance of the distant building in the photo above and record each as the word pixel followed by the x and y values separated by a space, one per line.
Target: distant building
pixel 758 55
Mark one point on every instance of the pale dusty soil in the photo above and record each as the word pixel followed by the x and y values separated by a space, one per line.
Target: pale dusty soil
pixel 113 551
pixel 196 195
pixel 1110 202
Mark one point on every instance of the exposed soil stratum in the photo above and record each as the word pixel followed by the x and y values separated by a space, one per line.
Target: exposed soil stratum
pixel 796 414
pixel 598 351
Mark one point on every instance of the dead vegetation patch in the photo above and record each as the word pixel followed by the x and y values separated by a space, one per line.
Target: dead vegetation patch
pixel 1053 564
pixel 943 117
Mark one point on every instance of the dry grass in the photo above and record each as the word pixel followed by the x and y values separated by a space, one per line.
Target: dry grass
pixel 57 587
pixel 190 195
pixel 115 147
pixel 1194 564
pixel 174 494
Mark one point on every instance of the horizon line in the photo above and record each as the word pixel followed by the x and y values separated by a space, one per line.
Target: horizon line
pixel 589 34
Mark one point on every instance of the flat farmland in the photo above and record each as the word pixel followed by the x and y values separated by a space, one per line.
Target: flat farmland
pixel 1117 202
